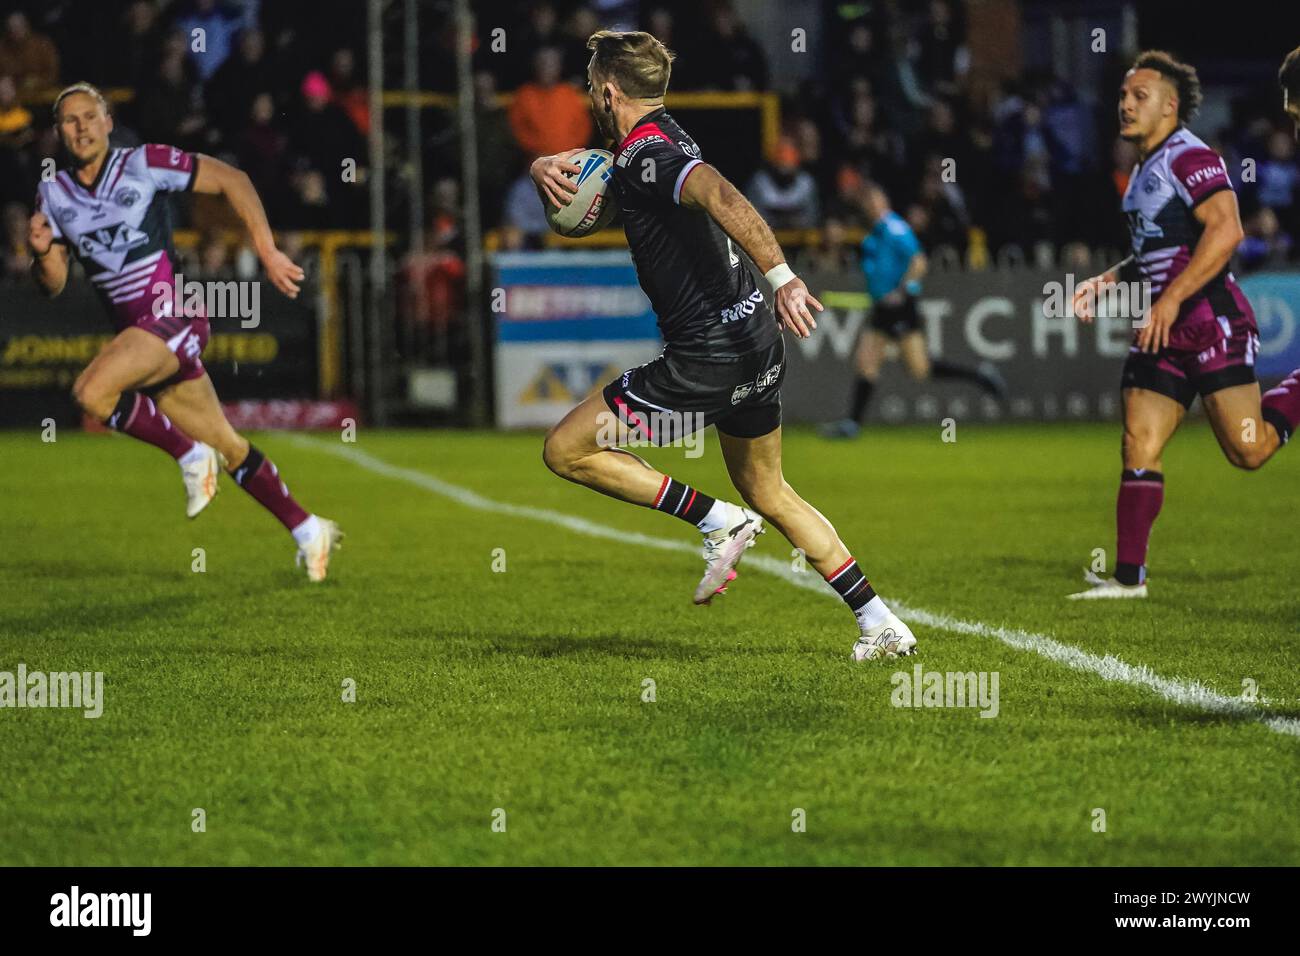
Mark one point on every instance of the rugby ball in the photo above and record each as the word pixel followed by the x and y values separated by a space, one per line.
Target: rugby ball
pixel 592 206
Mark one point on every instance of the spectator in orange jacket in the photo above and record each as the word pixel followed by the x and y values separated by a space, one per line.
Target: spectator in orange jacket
pixel 548 116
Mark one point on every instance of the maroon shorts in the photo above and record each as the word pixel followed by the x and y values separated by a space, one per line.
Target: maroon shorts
pixel 186 338
pixel 1201 359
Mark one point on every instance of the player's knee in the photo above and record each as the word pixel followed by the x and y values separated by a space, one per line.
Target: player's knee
pixel 94 399
pixel 1142 447
pixel 555 455
pixel 1247 457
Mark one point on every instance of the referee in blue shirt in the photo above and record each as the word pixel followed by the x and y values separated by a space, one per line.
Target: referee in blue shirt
pixel 894 265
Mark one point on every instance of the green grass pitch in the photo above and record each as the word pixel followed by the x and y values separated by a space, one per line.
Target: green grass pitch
pixel 522 690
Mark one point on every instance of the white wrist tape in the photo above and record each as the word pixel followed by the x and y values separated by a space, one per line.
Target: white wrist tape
pixel 779 275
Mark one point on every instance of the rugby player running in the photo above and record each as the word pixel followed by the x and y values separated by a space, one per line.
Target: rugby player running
pixel 1199 336
pixel 724 357
pixel 110 209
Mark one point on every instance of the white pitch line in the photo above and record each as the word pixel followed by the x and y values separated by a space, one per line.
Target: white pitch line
pixel 1191 694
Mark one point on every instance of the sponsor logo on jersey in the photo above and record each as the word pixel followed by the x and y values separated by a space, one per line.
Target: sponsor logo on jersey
pixel 690 149
pixel 741 393
pixel 1143 226
pixel 1204 175
pixel 109 245
pixel 742 308
pixel 768 378
pixel 627 154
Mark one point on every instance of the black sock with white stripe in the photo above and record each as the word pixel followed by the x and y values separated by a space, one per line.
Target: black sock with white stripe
pixel 852 585
pixel 682 500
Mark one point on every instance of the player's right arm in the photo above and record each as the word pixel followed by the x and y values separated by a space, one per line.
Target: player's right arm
pixel 1085 294
pixel 706 188
pixel 49 258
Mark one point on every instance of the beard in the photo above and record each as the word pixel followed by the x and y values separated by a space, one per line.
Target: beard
pixel 605 125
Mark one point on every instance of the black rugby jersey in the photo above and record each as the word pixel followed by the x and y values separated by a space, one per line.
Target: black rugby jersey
pixel 706 298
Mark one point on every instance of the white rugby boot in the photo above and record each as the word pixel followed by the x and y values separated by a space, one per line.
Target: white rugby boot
pixel 1100 588
pixel 723 550
pixel 200 468
pixel 315 551
pixel 890 638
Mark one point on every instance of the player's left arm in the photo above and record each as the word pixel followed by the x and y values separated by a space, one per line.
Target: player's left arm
pixel 706 188
pixel 217 178
pixel 1222 221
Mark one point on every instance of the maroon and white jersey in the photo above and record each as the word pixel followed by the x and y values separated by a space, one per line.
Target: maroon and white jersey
pixel 120 227
pixel 1179 175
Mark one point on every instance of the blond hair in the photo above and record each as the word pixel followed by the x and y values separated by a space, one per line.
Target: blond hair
pixel 91 91
pixel 638 63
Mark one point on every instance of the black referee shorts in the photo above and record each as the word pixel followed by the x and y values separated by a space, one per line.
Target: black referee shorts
pixel 676 395
pixel 896 321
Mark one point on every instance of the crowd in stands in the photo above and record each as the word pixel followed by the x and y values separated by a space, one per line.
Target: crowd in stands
pixel 282 102
pixel 278 88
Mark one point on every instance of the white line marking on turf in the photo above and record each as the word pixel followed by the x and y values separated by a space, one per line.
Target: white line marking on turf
pixel 1191 694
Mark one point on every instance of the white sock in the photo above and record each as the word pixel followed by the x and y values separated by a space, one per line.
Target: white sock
pixel 873 613
pixel 193 455
pixel 715 519
pixel 307 530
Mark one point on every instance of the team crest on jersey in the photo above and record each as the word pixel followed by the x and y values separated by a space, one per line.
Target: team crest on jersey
pixel 109 245
pixel 127 196
pixel 1149 185
pixel 690 149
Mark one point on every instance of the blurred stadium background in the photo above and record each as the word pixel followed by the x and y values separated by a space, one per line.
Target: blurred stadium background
pixel 438 296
